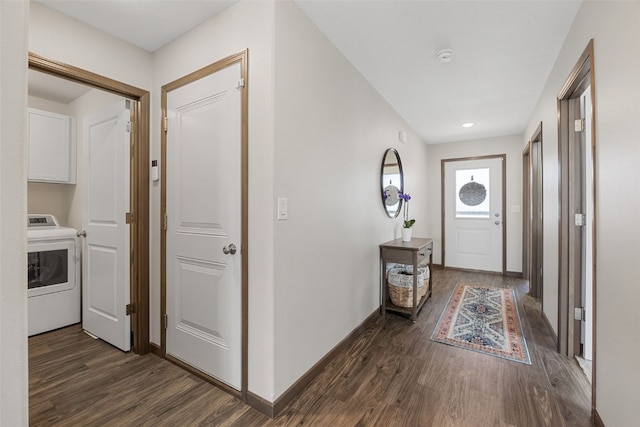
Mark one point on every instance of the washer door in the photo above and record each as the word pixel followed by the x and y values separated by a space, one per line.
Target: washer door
pixel 50 268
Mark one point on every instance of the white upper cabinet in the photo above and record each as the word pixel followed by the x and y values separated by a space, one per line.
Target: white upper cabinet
pixel 52 147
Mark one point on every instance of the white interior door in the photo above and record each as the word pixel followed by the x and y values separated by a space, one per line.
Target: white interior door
pixel 106 250
pixel 473 214
pixel 203 287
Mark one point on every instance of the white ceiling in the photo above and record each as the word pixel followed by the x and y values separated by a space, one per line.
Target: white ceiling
pixel 504 51
pixel 45 86
pixel 149 24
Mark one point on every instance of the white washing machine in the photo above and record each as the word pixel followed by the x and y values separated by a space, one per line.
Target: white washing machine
pixel 53 274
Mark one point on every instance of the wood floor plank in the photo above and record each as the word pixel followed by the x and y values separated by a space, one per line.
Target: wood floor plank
pixel 391 375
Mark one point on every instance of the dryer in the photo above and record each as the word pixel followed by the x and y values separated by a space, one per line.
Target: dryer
pixel 53 274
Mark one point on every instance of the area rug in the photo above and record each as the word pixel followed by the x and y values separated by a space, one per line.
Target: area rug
pixel 485 320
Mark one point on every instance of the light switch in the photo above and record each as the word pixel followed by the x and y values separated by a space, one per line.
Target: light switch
pixel 283 208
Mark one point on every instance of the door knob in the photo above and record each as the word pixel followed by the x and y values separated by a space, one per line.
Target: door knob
pixel 497 223
pixel 83 234
pixel 230 249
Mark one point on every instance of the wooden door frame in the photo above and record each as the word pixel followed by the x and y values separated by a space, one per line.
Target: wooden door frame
pixel 242 58
pixel 443 162
pixel 532 238
pixel 581 74
pixel 526 212
pixel 139 185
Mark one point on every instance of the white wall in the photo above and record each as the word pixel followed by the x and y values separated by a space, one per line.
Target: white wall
pixel 63 39
pixel 50 198
pixel 331 131
pixel 613 26
pixel 14 385
pixel 244 25
pixel 48 105
pixel 509 145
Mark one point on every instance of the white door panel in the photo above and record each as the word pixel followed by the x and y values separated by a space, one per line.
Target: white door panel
pixel 473 242
pixel 106 254
pixel 103 262
pixel 204 217
pixel 473 214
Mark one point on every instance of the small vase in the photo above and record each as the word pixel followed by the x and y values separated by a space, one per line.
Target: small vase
pixel 406 234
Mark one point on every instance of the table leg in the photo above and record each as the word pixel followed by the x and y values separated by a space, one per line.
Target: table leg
pixel 383 283
pixel 414 311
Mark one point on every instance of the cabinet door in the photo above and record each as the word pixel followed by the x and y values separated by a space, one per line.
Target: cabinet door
pixel 52 147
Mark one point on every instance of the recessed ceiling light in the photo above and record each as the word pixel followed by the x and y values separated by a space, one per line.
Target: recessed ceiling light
pixel 468 124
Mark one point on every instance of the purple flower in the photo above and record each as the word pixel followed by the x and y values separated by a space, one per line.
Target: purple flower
pixel 407 222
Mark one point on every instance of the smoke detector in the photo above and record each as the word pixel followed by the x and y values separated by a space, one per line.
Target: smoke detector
pixel 445 55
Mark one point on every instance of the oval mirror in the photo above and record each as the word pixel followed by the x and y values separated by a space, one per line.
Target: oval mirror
pixel 392 182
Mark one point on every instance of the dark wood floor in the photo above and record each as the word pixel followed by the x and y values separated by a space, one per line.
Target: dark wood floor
pixel 393 375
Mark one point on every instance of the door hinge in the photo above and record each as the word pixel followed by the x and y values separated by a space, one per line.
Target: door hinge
pixel 129 218
pixel 165 221
pixel 240 84
pixel 130 309
pixel 579 219
pixel 579 313
pixel 165 321
pixel 165 123
pixel 578 125
pixel 131 128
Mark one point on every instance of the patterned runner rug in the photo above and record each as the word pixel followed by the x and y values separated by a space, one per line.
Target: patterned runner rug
pixel 485 320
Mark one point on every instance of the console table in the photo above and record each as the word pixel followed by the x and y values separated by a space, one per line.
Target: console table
pixel 415 252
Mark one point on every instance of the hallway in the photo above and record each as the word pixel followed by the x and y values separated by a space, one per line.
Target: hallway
pixel 392 375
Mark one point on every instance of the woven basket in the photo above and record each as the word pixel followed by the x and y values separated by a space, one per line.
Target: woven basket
pixel 421 269
pixel 400 281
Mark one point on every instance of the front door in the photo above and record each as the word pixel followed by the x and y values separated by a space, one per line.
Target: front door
pixel 473 214
pixel 106 147
pixel 203 221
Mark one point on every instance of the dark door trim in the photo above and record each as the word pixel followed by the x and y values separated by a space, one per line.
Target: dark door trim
pixel 532 218
pixel 526 212
pixel 139 185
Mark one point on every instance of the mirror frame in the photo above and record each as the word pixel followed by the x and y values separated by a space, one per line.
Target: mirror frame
pixel 382 181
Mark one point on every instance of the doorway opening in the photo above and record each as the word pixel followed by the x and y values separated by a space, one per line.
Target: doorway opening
pixel 532 219
pixel 139 183
pixel 577 225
